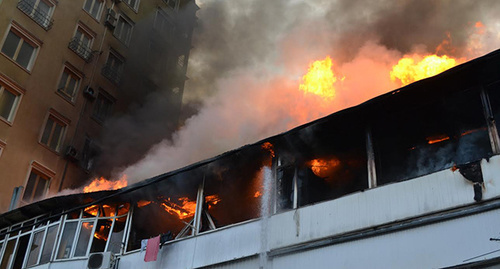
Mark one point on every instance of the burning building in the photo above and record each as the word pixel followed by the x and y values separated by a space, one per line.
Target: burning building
pixel 408 179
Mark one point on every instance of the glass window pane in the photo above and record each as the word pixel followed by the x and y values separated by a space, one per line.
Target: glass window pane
pixel 30 186
pixel 83 239
pixel 47 131
pixel 100 235
pixel 40 187
pixel 7 102
pixel 64 79
pixel 10 44
pixel 115 240
pixel 8 254
pixel 95 8
pixel 56 137
pixel 70 90
pixel 36 245
pixel 68 236
pixel 88 5
pixel 24 56
pixel 43 8
pixel 21 251
pixel 49 243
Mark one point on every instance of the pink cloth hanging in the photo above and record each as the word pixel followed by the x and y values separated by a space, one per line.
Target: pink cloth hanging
pixel 152 249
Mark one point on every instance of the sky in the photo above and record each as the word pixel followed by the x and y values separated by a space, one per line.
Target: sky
pixel 248 59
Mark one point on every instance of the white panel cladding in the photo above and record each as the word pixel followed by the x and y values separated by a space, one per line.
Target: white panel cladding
pixel 438 245
pixel 228 244
pixel 249 263
pixel 431 193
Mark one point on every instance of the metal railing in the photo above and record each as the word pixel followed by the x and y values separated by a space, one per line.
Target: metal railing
pixel 40 17
pixel 111 72
pixel 81 49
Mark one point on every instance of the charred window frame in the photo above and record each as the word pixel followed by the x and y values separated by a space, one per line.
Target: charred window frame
pixel 430 136
pixel 97 228
pixel 491 100
pixel 172 202
pixel 28 246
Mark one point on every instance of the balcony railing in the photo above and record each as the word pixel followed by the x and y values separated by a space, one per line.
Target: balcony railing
pixel 40 17
pixel 112 73
pixel 81 49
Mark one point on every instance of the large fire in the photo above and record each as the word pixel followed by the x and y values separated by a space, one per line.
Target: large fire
pixel 323 167
pixel 412 68
pixel 101 184
pixel 182 207
pixel 319 79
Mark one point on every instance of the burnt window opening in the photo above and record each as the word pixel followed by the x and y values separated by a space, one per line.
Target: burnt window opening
pixel 171 203
pixel 494 97
pixel 234 189
pixel 431 137
pixel 328 161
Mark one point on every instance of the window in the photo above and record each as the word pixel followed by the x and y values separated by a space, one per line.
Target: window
pixel 163 24
pixel 20 47
pixel 39 10
pixel 100 227
pixel 10 97
pixel 54 130
pixel 89 152
pixel 123 30
pixel 37 186
pixel 69 84
pixel 94 7
pixel 81 43
pixel 103 107
pixel 134 4
pixel 171 3
pixel 113 67
pixel 2 146
pixel 21 251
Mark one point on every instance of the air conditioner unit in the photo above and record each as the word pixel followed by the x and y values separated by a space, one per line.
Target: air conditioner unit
pixel 100 260
pixel 71 153
pixel 89 93
pixel 110 18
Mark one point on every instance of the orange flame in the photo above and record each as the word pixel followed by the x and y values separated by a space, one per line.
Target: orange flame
pixel 319 79
pixel 257 194
pixel 143 203
pixel 321 167
pixel 185 210
pixel 437 139
pixel 101 184
pixel 410 69
pixel 269 147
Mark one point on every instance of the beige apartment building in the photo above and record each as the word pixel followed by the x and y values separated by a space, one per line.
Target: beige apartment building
pixel 68 65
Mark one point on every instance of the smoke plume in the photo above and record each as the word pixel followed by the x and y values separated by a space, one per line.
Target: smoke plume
pixel 249 57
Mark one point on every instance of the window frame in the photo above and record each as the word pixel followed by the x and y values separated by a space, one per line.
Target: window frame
pixel 111 70
pixel 118 31
pixel 2 148
pixel 47 20
pixel 78 46
pixel 6 84
pixel 24 36
pixel 73 73
pixel 99 11
pixel 57 118
pixel 133 7
pixel 40 170
pixel 102 95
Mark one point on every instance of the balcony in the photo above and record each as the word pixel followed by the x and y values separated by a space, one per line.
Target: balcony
pixel 111 72
pixel 81 49
pixel 39 16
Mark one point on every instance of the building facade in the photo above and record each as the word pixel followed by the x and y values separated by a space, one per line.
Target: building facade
pixel 66 67
pixel 409 179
